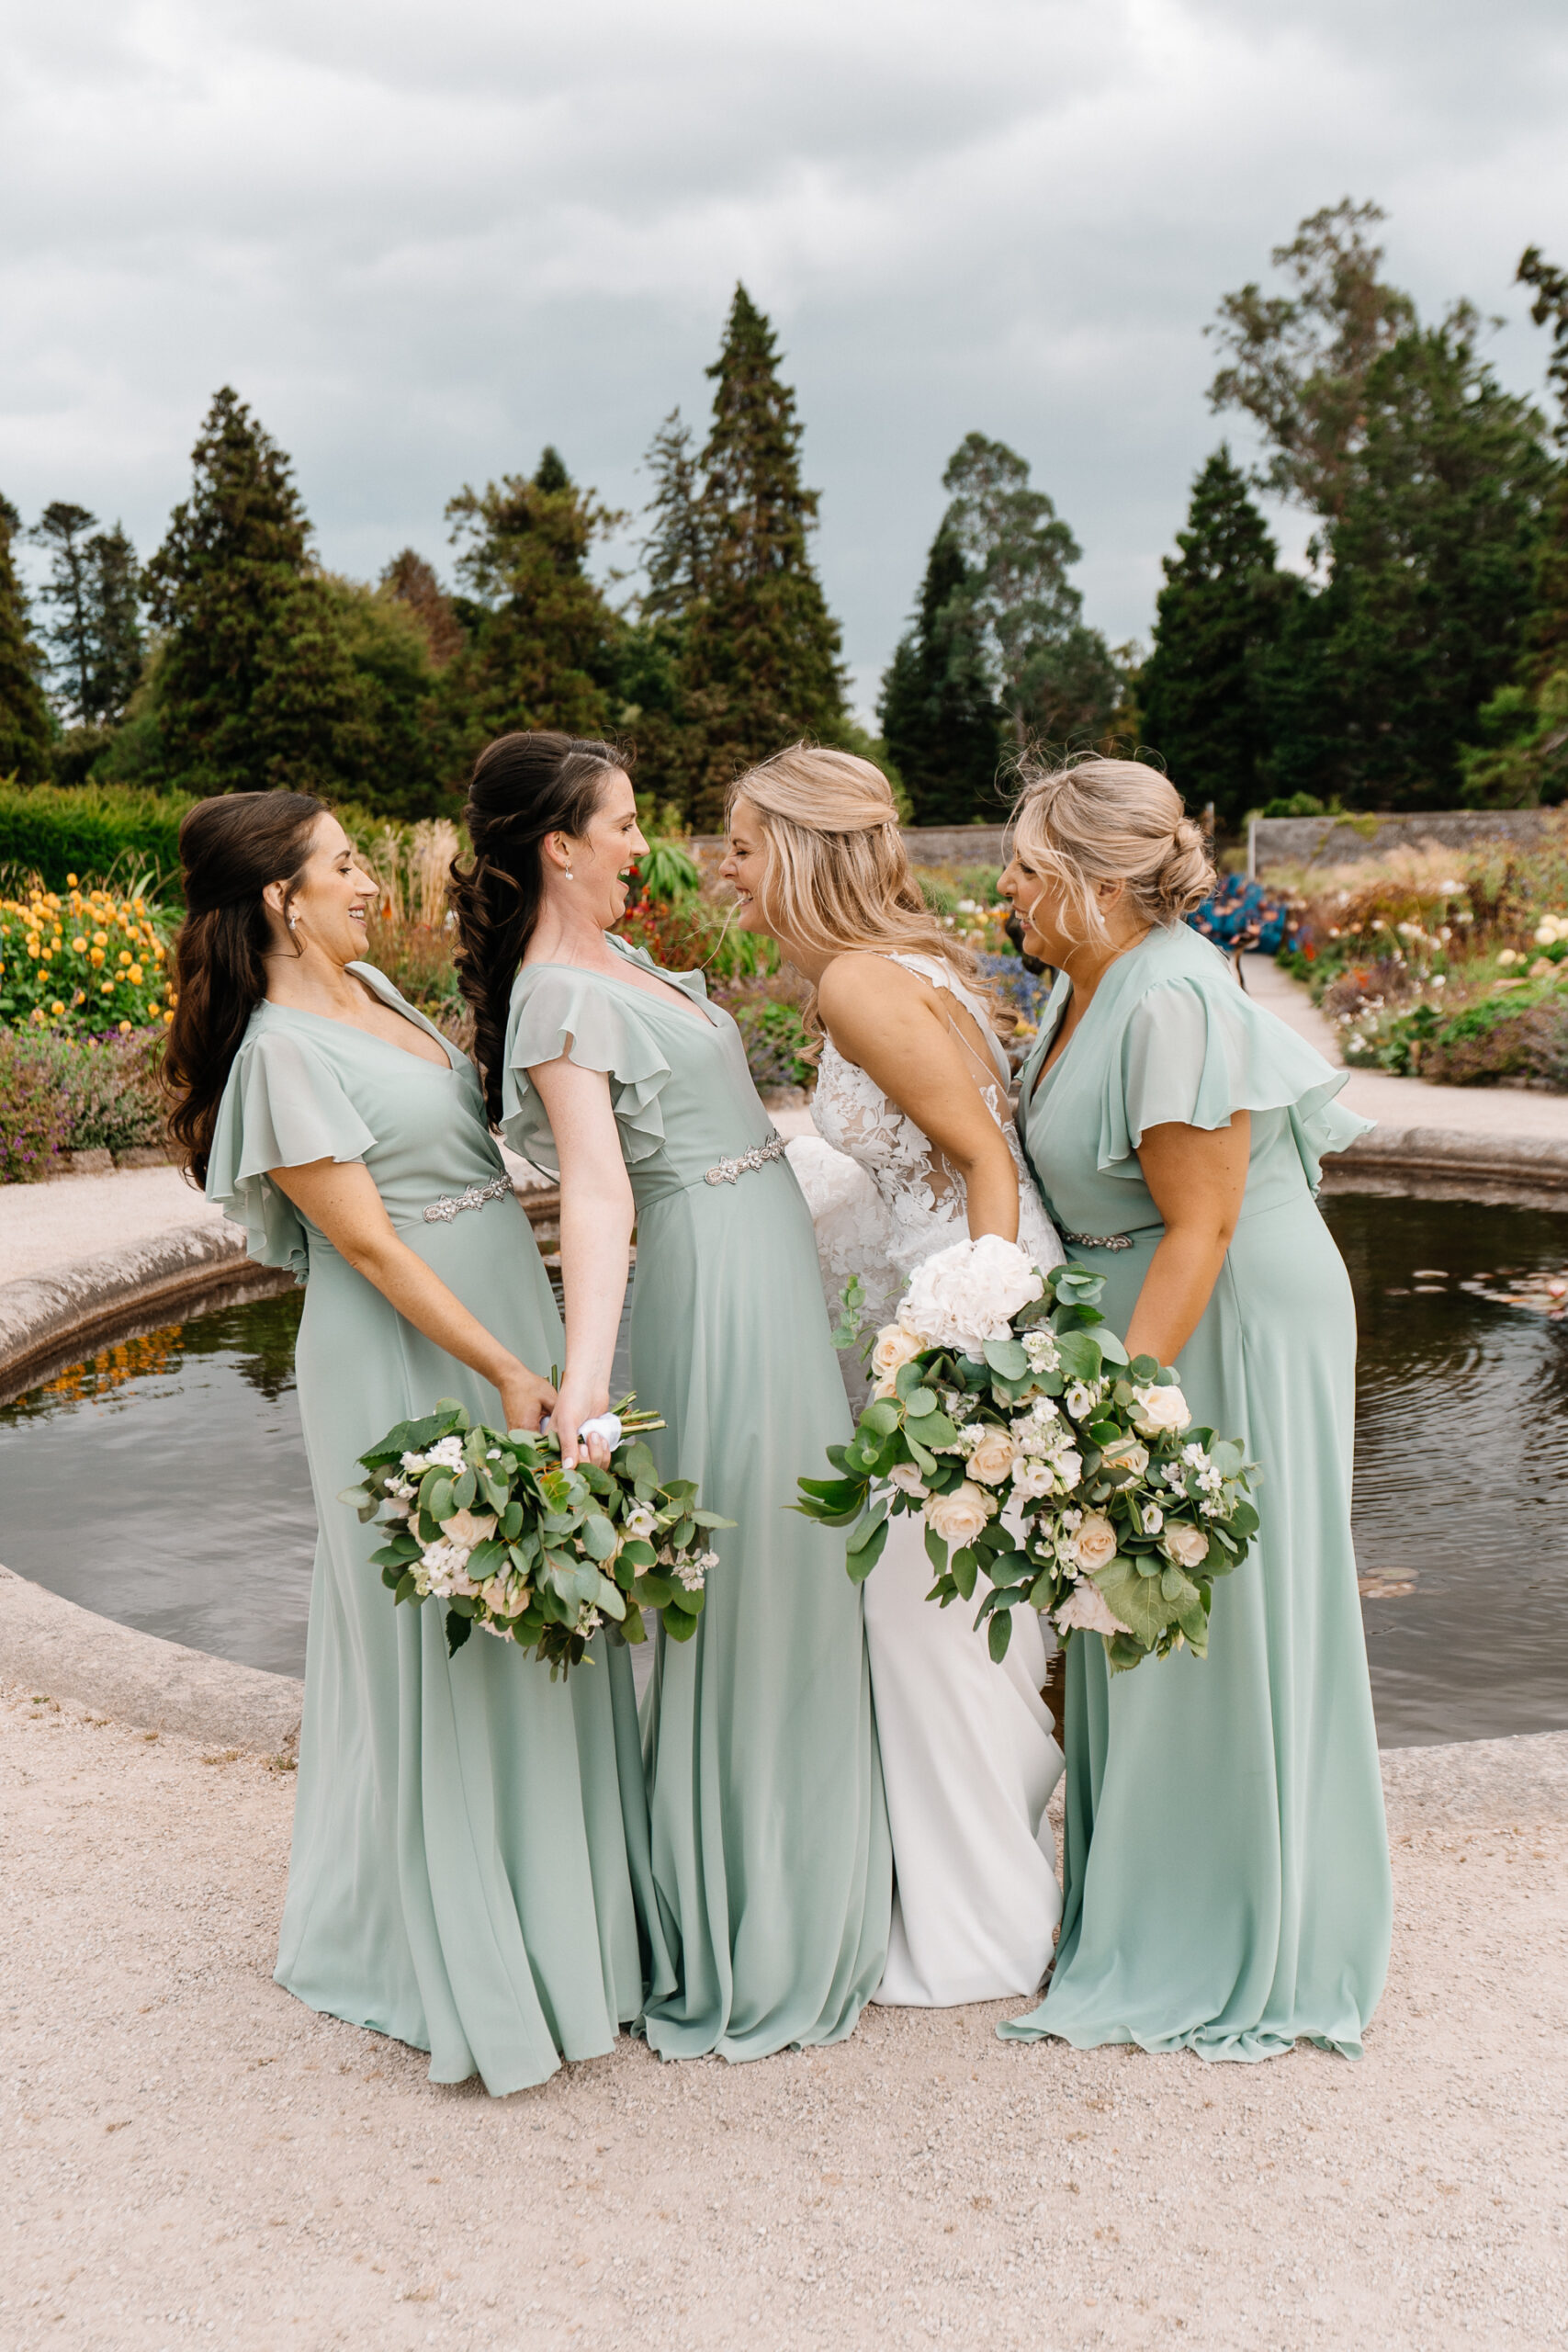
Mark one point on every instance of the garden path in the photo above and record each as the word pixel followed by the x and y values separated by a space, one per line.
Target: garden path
pixel 187 2155
pixel 1501 1111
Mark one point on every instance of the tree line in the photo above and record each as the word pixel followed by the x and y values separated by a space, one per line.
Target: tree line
pixel 1420 660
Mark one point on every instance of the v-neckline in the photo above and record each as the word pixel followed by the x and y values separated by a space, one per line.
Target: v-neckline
pixel 690 1002
pixel 405 1011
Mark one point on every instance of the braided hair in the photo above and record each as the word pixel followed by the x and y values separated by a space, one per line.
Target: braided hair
pixel 523 787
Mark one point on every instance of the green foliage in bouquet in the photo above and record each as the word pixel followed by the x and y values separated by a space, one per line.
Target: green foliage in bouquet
pixel 490 1522
pixel 1065 1477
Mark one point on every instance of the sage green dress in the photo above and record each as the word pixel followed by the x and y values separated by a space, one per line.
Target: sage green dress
pixel 770 1849
pixel 1227 1876
pixel 466 1832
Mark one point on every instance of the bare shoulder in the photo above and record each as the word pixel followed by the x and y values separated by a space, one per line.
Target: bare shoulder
pixel 862 981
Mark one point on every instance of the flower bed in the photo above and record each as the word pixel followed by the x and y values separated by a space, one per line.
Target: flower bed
pixel 84 960
pixel 63 1094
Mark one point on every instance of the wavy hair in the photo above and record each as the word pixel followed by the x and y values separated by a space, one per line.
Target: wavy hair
pixel 838 874
pixel 1110 820
pixel 524 786
pixel 230 848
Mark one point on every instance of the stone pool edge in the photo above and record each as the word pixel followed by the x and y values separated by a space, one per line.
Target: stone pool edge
pixel 42 1314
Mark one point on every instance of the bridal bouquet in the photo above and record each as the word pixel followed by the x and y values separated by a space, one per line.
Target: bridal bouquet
pixel 490 1522
pixel 1007 1414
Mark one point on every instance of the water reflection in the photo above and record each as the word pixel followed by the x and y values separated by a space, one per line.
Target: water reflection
pixel 163 1482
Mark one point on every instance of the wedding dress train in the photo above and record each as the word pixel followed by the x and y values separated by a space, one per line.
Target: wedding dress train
pixel 967 1753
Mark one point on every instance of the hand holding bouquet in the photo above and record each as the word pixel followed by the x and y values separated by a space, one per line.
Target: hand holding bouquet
pixel 1007 1414
pixel 488 1522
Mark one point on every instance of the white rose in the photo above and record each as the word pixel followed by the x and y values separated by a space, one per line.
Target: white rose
pixel 1095 1543
pixel 1033 1479
pixel 1160 1409
pixel 959 1516
pixel 468 1528
pixel 1069 1465
pixel 895 1348
pixel 1127 1454
pixel 992 1461
pixel 1187 1546
pixel 1087 1608
pixel 968 1294
pixel 905 1475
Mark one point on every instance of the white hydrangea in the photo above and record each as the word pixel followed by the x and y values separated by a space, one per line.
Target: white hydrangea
pixel 968 1294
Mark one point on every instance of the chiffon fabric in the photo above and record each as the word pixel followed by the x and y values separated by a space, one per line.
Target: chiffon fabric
pixel 471 1838
pixel 969 1759
pixel 769 1827
pixel 1227 1882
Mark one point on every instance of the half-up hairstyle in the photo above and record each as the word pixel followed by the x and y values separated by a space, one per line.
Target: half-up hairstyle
pixel 838 874
pixel 231 849
pixel 523 786
pixel 1110 820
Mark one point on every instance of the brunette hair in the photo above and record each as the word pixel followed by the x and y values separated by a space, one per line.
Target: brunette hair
pixel 523 786
pixel 231 849
pixel 837 876
pixel 1112 821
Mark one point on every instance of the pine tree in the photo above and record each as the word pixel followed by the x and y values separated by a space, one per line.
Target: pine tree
pixel 236 553
pixel 411 581
pixel 26 727
pixel 541 636
pixel 1218 613
pixel 69 633
pixel 118 647
pixel 940 718
pixel 761 656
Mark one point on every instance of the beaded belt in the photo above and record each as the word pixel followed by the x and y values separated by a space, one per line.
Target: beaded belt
pixel 443 1211
pixel 727 1171
pixel 1085 1240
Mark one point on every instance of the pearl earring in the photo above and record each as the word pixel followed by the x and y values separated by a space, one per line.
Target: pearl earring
pixel 569 875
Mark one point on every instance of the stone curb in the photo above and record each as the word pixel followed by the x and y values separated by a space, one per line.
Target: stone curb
pixel 62 1651
pixel 42 1314
pixel 1539 1161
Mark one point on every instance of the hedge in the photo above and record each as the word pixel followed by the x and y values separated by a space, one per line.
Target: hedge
pixel 92 830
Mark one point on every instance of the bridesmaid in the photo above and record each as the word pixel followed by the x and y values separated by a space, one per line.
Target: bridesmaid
pixel 462 1873
pixel 1227 1873
pixel 770 1836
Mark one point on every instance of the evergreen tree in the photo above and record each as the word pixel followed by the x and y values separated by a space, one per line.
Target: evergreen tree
pixel 674 554
pixel 26 728
pixel 94 637
pixel 760 661
pixel 1547 638
pixel 119 646
pixel 411 581
pixel 541 636
pixel 940 718
pixel 1218 613
pixel 235 556
pixel 69 634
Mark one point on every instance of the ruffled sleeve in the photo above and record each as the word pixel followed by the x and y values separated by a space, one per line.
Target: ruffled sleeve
pixel 283 1107
pixel 557 1010
pixel 1195 1050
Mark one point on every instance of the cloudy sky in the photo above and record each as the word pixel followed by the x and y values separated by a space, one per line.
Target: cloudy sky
pixel 424 241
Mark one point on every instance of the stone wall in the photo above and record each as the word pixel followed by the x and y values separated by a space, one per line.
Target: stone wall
pixel 926 845
pixel 1344 841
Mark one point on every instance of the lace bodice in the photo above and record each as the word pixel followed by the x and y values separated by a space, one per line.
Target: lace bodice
pixel 882 1199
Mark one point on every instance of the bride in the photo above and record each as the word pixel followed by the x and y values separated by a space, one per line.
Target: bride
pixel 918 1150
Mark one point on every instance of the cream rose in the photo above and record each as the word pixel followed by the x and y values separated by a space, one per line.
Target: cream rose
pixel 992 1461
pixel 959 1516
pixel 1187 1546
pixel 1127 1454
pixel 468 1528
pixel 1159 1409
pixel 905 1475
pixel 895 1348
pixel 1095 1543
pixel 1087 1608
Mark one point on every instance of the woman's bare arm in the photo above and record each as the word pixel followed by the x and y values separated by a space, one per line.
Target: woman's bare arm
pixel 341 1202
pixel 1197 1177
pixel 596 1220
pixel 883 1018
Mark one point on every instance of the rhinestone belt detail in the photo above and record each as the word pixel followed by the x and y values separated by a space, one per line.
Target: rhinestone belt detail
pixel 759 1156
pixel 1095 1240
pixel 443 1211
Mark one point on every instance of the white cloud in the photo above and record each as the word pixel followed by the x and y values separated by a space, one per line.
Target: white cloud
pixel 422 242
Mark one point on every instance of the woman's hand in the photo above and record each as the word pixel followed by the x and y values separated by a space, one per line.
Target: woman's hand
pixel 527 1401
pixel 579 1401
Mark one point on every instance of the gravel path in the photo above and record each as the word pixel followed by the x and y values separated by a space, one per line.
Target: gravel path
pixel 189 2156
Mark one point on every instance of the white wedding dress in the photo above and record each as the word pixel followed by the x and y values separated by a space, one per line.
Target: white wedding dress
pixel 968 1752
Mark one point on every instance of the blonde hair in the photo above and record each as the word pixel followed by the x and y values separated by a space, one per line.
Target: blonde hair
pixel 1110 820
pixel 837 876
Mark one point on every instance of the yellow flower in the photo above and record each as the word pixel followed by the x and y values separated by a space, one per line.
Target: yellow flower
pixel 70 880
pixel 100 939
pixel 134 976
pixel 123 957
pixel 107 988
pixel 167 1018
pixel 79 946
pixel 38 1015
pixel 152 1004
pixel 96 956
pixel 57 1006
pixel 33 947
pixel 125 1028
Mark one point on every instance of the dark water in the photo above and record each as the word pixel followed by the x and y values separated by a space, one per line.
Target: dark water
pixel 164 1483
